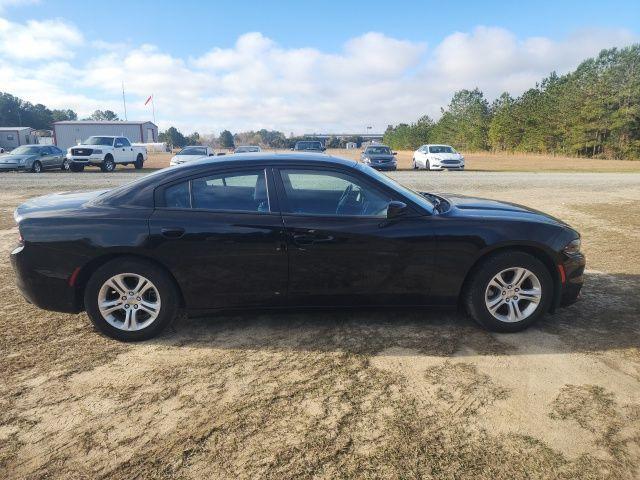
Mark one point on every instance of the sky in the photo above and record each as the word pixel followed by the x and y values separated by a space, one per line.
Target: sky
pixel 294 66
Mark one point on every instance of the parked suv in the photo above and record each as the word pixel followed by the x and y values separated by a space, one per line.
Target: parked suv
pixel 106 152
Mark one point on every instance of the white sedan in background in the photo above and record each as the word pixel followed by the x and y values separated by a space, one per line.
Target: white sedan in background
pixel 188 154
pixel 437 157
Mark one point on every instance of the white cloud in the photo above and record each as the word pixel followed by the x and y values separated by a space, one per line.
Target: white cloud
pixel 37 40
pixel 373 80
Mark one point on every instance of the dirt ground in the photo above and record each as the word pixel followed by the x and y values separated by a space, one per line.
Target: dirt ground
pixel 339 394
pixel 484 162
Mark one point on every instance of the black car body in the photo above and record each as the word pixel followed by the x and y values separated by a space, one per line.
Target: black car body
pixel 271 241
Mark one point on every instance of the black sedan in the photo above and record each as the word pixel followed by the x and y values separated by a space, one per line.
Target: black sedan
pixel 293 230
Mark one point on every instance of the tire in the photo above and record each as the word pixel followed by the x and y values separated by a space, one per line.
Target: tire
pixel 139 162
pixel 162 294
pixel 481 292
pixel 36 167
pixel 415 165
pixel 427 165
pixel 75 167
pixel 65 165
pixel 108 165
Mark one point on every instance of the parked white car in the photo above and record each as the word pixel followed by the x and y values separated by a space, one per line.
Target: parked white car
pixel 437 157
pixel 188 154
pixel 105 152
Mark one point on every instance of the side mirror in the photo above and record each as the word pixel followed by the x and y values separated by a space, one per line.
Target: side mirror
pixel 396 209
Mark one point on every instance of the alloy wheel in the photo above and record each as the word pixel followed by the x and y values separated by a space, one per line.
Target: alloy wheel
pixel 128 301
pixel 513 294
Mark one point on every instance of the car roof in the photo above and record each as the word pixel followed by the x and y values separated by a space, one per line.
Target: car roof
pixel 378 145
pixel 268 158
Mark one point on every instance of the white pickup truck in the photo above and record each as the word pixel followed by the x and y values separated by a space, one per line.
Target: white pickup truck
pixel 105 152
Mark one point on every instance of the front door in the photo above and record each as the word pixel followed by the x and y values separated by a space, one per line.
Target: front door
pixel 222 237
pixel 342 248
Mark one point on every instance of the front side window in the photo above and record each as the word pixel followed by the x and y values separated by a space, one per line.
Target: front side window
pixel 124 142
pixel 324 192
pixel 244 191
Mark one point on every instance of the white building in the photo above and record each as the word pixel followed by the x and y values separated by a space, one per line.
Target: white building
pixel 13 137
pixel 69 133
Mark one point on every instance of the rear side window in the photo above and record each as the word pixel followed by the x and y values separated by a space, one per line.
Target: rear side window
pixel 244 191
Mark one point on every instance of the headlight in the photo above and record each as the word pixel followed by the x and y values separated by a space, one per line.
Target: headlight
pixel 366 160
pixel 97 151
pixel 573 247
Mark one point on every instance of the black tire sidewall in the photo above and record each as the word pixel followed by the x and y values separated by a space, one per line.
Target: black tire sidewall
pixel 108 165
pixel 166 288
pixel 138 163
pixel 475 298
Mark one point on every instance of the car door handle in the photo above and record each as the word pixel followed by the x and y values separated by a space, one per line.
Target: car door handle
pixel 172 232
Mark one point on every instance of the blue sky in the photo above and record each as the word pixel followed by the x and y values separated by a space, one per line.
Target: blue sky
pixel 296 66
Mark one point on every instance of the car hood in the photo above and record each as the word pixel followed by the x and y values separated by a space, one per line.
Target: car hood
pixel 445 156
pixel 14 158
pixel 56 202
pixel 379 156
pixel 482 207
pixel 186 158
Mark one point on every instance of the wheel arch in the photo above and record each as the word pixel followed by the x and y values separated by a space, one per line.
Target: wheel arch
pixel 535 251
pixel 85 272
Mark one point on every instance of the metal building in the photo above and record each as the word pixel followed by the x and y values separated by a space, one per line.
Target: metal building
pixel 13 137
pixel 70 133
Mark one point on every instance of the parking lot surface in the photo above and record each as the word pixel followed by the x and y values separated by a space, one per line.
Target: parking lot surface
pixel 339 394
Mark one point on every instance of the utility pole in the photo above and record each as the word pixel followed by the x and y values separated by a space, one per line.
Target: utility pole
pixel 124 102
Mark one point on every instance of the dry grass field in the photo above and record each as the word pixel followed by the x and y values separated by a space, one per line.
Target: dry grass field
pixel 339 394
pixel 485 162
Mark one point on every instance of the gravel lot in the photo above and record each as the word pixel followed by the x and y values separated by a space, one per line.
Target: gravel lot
pixel 355 394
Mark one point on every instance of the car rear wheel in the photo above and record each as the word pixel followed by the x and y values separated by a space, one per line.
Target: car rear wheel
pixel 36 167
pixel 139 162
pixel 509 292
pixel 130 299
pixel 108 165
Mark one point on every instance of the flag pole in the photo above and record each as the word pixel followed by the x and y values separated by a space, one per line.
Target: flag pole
pixel 124 102
pixel 153 107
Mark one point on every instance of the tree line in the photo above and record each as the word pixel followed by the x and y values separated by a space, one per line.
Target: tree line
pixel 593 111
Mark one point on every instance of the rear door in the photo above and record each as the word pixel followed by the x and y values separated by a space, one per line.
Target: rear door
pixel 123 151
pixel 342 248
pixel 221 234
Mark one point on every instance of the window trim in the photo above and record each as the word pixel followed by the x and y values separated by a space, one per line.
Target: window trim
pixel 159 200
pixel 282 193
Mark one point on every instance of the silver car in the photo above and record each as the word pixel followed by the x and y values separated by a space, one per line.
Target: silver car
pixel 34 158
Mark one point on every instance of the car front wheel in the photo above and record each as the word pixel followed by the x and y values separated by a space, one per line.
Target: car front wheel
pixel 129 299
pixel 65 165
pixel 509 291
pixel 108 165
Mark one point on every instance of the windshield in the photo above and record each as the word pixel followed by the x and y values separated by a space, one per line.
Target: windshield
pixel 308 146
pixel 441 149
pixel 107 141
pixel 25 150
pixel 193 151
pixel 378 151
pixel 407 192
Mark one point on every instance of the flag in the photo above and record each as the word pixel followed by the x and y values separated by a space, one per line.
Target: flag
pixel 148 99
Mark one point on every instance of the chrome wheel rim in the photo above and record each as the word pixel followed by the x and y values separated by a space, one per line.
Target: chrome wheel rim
pixel 129 302
pixel 36 167
pixel 513 295
pixel 65 165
